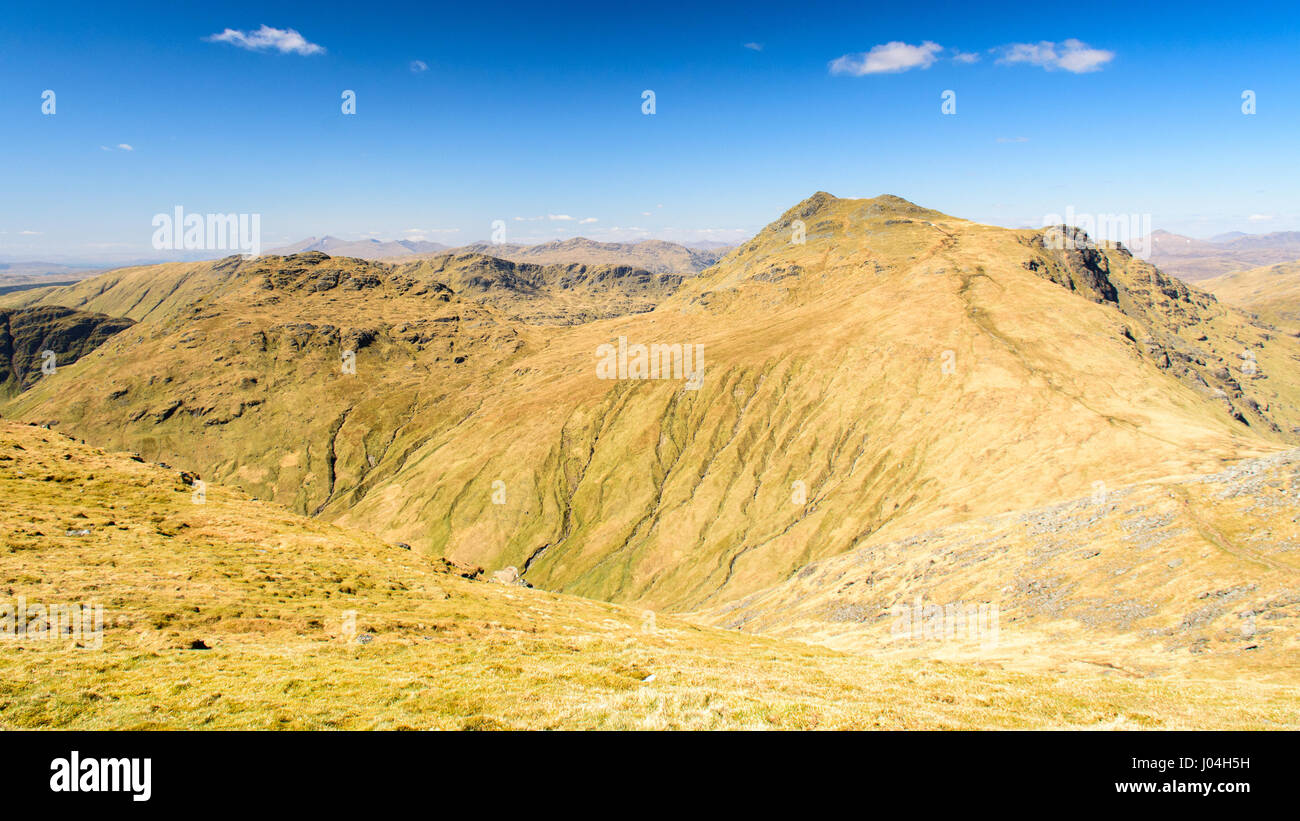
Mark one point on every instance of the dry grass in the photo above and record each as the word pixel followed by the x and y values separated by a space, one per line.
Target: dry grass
pixel 267 591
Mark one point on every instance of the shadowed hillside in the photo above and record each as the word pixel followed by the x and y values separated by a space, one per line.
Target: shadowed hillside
pixel 26 335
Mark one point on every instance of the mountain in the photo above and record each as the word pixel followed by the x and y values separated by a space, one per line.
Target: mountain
pixel 897 373
pixel 202 589
pixel 19 275
pixel 552 294
pixel 1228 237
pixel 1193 260
pixel 1272 291
pixel 362 249
pixel 656 256
pixel 535 294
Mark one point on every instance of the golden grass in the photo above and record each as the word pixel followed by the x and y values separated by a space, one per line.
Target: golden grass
pixel 266 590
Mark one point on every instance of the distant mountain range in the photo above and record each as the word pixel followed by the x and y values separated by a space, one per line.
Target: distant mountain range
pixel 42 273
pixel 655 256
pixel 362 248
pixel 1196 259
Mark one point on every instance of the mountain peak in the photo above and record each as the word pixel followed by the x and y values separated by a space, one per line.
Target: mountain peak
pixel 822 203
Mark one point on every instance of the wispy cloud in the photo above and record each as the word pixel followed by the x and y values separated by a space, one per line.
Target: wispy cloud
pixel 118 147
pixel 1260 217
pixel 418 66
pixel 888 58
pixel 1072 55
pixel 754 46
pixel 587 220
pixel 266 38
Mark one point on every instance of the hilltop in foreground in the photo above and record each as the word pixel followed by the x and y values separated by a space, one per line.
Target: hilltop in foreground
pixel 231 613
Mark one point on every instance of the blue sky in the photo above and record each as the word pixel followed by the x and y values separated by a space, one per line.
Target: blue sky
pixel 526 112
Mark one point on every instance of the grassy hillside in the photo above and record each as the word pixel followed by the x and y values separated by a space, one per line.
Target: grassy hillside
pixel 1273 292
pixel 268 593
pixel 899 370
pixel 1194 576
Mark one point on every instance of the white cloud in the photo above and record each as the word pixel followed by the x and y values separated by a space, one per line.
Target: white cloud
pixel 559 217
pixel 418 66
pixel 754 46
pixel 125 147
pixel 29 233
pixel 965 57
pixel 1074 56
pixel 587 220
pixel 889 58
pixel 1260 217
pixel 266 38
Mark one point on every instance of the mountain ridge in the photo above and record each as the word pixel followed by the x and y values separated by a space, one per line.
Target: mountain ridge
pixel 907 369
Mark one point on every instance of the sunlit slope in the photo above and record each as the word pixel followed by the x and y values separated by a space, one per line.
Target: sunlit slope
pixel 240 614
pixel 254 382
pixel 1196 576
pixel 896 371
pixel 824 365
pixel 1272 291
pixel 142 292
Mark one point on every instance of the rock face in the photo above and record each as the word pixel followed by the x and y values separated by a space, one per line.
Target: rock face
pixel 26 334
